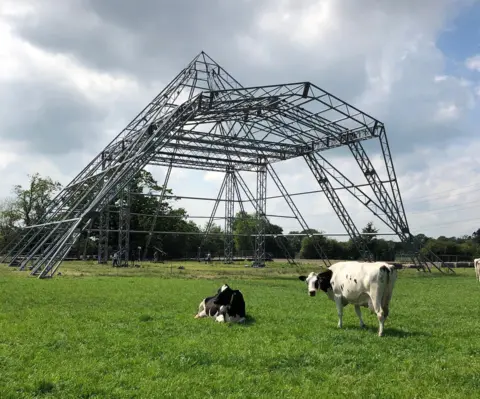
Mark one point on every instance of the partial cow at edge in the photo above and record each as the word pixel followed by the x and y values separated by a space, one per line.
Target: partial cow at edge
pixel 476 265
pixel 367 284
pixel 226 306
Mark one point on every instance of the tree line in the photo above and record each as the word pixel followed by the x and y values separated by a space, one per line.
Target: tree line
pixel 26 205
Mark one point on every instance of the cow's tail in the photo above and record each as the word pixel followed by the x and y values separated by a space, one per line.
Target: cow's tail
pixel 387 277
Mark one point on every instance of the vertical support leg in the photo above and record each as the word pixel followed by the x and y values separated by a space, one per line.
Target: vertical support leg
pixel 124 226
pixel 259 256
pixel 87 238
pixel 229 215
pixel 103 235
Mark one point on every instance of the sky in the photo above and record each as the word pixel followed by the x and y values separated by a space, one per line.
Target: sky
pixel 74 73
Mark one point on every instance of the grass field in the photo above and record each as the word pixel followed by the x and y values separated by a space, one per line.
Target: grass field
pixel 100 332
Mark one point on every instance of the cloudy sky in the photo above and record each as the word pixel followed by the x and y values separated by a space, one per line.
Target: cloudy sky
pixel 74 72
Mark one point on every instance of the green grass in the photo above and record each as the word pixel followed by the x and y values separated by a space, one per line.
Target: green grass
pixel 99 332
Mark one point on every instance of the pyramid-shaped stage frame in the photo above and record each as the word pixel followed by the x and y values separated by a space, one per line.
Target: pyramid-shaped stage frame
pixel 205 119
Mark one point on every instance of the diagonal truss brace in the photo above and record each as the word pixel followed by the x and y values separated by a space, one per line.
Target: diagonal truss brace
pixel 338 207
pixel 212 216
pixel 296 213
pixel 251 199
pixel 157 211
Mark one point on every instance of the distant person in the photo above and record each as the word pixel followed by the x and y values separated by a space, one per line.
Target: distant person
pixel 115 259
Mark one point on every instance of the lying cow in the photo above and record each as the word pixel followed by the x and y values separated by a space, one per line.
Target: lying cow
pixel 368 284
pixel 476 265
pixel 227 305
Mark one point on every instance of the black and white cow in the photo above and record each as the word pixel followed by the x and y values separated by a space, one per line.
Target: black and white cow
pixel 367 284
pixel 226 306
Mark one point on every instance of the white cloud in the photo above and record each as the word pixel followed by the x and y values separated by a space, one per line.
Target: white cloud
pixel 213 176
pixel 473 63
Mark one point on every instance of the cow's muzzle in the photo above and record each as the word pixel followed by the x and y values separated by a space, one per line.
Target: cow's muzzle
pixel 311 293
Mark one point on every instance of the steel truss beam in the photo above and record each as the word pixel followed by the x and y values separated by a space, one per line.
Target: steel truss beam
pixel 220 126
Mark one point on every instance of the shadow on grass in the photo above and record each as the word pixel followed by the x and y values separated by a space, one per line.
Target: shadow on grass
pixel 395 332
pixel 249 320
pixel 387 332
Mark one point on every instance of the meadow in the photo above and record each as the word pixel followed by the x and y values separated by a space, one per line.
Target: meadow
pixel 102 332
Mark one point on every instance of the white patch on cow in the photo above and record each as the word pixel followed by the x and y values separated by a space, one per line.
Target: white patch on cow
pixel 311 279
pixel 220 318
pixel 476 265
pixel 201 310
pixel 224 287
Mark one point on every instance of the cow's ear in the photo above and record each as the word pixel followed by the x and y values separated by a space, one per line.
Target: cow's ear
pixel 302 278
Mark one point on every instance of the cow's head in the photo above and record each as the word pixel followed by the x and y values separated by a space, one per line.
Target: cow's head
pixel 315 282
pixel 224 296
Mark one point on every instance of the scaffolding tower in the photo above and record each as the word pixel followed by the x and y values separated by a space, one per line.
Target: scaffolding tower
pixel 205 119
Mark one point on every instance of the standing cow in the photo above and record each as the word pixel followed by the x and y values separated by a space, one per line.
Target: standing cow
pixel 367 284
pixel 476 264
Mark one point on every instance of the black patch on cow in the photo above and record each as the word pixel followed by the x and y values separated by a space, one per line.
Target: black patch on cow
pixel 324 280
pixel 211 308
pixel 233 300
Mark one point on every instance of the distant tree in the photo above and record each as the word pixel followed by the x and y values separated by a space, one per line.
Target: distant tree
pixel 476 236
pixel 372 231
pixel 308 250
pixel 31 202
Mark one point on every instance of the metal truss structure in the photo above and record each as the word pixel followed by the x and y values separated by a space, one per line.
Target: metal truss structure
pixel 204 119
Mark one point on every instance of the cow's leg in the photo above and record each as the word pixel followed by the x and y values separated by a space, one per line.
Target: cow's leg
pixel 381 315
pixel 201 311
pixel 222 315
pixel 378 297
pixel 358 311
pixel 339 305
pixel 381 321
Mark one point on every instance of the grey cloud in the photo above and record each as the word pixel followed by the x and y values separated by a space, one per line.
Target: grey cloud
pixel 148 39
pixel 50 118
